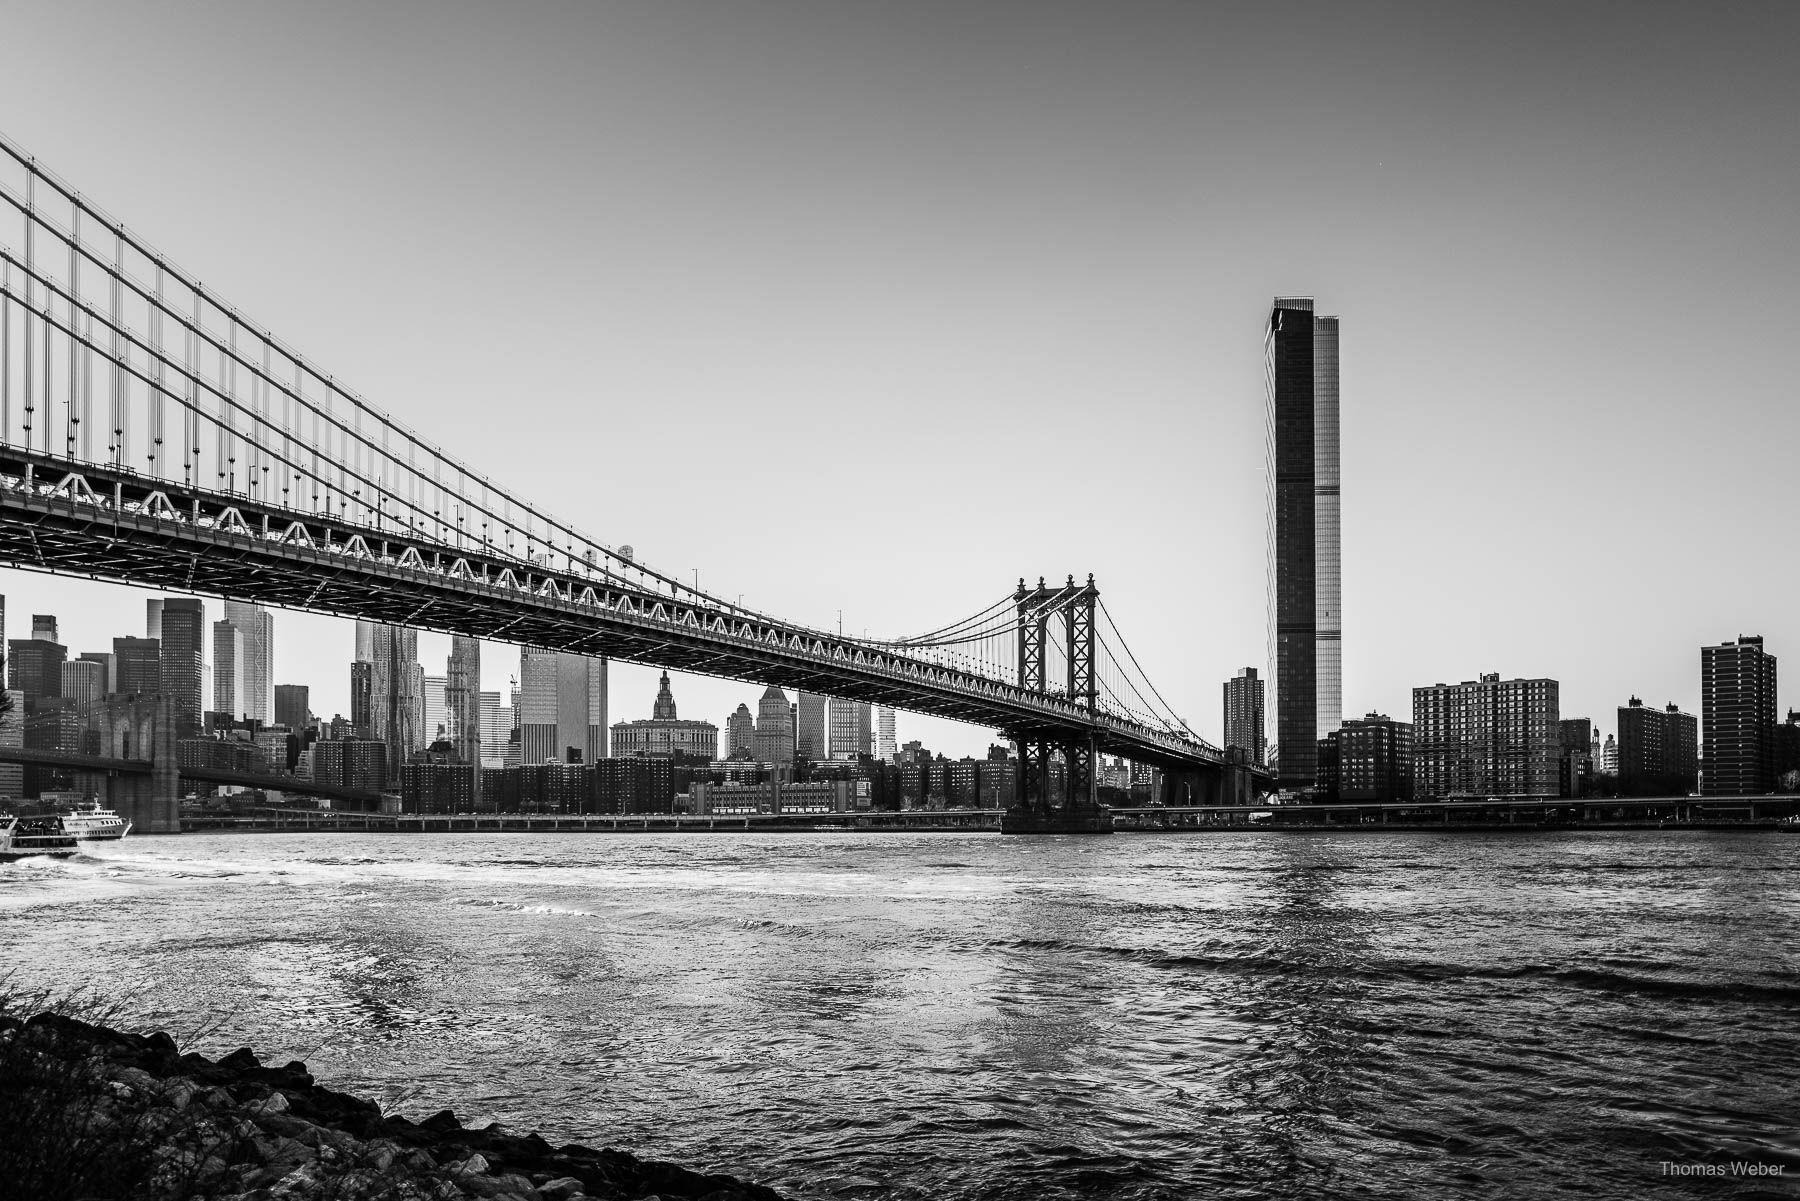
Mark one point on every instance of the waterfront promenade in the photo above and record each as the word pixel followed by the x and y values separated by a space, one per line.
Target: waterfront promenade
pixel 1493 813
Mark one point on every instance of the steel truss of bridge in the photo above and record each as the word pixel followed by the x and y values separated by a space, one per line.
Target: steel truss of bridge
pixel 111 523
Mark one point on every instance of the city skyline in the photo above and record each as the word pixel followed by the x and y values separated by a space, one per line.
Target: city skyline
pixel 1439 583
pixel 1019 323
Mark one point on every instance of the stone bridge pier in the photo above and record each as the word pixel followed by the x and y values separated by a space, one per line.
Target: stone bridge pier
pixel 140 726
pixel 1230 783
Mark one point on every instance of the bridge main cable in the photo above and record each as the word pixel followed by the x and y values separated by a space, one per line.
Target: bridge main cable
pixel 455 500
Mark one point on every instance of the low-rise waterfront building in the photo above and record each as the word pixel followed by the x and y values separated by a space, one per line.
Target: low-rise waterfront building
pixel 609 786
pixel 774 796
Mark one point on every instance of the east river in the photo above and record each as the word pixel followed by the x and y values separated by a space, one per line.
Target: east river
pixel 910 1017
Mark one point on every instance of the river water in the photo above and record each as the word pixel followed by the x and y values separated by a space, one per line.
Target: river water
pixel 908 1017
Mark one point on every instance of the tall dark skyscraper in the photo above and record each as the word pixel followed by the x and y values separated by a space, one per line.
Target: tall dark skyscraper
pixel 1300 353
pixel 1737 704
pixel 293 702
pixel 34 667
pixel 137 664
pixel 183 642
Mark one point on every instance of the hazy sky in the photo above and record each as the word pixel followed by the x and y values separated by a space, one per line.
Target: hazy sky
pixel 875 308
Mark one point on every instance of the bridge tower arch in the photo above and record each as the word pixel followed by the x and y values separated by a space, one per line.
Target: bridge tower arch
pixel 1039 807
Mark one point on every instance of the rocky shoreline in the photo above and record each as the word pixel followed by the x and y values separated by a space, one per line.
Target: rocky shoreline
pixel 90 1112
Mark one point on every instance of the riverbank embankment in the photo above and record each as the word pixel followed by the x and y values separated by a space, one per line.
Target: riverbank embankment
pixel 91 1112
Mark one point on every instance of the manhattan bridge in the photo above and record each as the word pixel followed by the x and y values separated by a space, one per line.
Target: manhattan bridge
pixel 152 434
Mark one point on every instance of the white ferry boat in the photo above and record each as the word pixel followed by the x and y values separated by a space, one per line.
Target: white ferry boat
pixel 21 837
pixel 94 824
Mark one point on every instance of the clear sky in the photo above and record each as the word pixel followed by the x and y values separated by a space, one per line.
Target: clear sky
pixel 876 308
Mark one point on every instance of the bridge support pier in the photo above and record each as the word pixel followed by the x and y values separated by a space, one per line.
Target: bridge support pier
pixel 1229 783
pixel 1036 811
pixel 141 727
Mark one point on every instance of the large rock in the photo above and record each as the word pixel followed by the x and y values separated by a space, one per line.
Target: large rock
pixel 159 1124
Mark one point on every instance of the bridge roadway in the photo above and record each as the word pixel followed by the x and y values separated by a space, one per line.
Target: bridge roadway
pixel 211 775
pixel 110 523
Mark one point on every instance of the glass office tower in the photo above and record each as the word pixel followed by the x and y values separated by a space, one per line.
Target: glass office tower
pixel 1300 355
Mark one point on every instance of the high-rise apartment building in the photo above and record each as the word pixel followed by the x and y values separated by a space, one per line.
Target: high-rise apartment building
pixel 1659 750
pixel 1244 725
pixel 852 732
pixel 293 706
pixel 183 642
pixel 1737 703
pixel 228 670
pixel 1368 759
pixel 1300 358
pixel 885 745
pixel 1486 737
pixel 462 698
pixel 257 699
pixel 351 763
pixel 774 727
pixel 1579 755
pixel 809 728
pixel 562 708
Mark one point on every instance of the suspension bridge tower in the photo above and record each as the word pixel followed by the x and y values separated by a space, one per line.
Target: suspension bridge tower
pixel 1038 809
